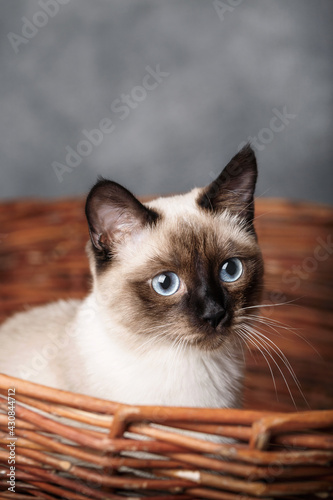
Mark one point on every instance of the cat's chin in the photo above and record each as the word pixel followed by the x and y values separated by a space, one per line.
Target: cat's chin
pixel 209 340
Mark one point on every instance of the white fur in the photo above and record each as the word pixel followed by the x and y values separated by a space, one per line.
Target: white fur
pixel 162 375
pixel 45 345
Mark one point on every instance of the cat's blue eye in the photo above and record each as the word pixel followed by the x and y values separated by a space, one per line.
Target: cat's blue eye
pixel 166 283
pixel 231 270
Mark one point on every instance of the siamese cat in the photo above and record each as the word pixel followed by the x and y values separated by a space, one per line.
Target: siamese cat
pixel 173 281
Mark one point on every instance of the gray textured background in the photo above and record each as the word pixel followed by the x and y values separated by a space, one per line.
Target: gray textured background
pixel 228 72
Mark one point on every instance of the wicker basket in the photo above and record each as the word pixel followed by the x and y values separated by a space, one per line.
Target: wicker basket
pixel 275 454
pixel 77 447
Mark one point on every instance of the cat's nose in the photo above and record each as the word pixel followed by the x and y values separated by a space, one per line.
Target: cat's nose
pixel 215 319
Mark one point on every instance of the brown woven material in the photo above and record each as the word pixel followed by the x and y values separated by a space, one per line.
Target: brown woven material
pixel 277 454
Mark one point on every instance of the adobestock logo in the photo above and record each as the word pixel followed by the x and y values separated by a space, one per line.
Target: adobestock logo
pixel 310 264
pixel 29 30
pixel 277 124
pixel 223 7
pixel 53 346
pixel 294 276
pixel 122 107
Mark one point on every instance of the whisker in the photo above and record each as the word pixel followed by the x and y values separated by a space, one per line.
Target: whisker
pixel 263 214
pixel 273 324
pixel 270 344
pixel 240 343
pixel 259 306
pixel 276 364
pixel 152 339
pixel 246 337
pixel 267 344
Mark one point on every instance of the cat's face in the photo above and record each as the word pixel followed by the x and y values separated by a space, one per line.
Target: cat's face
pixel 180 269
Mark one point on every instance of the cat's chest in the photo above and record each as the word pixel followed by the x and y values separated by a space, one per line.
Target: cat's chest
pixel 159 376
pixel 165 378
pixel 160 380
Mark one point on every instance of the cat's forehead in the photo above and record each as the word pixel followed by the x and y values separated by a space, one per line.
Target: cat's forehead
pixel 177 205
pixel 183 220
pixel 185 231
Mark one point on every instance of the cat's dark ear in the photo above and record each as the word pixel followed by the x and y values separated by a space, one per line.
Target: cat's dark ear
pixel 234 187
pixel 112 213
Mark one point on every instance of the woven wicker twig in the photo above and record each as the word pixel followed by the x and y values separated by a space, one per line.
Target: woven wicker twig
pixel 64 442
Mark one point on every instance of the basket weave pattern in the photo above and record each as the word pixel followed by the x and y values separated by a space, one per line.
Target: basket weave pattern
pixel 78 447
pixel 272 456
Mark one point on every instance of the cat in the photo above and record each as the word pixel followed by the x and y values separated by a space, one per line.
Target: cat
pixel 172 282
